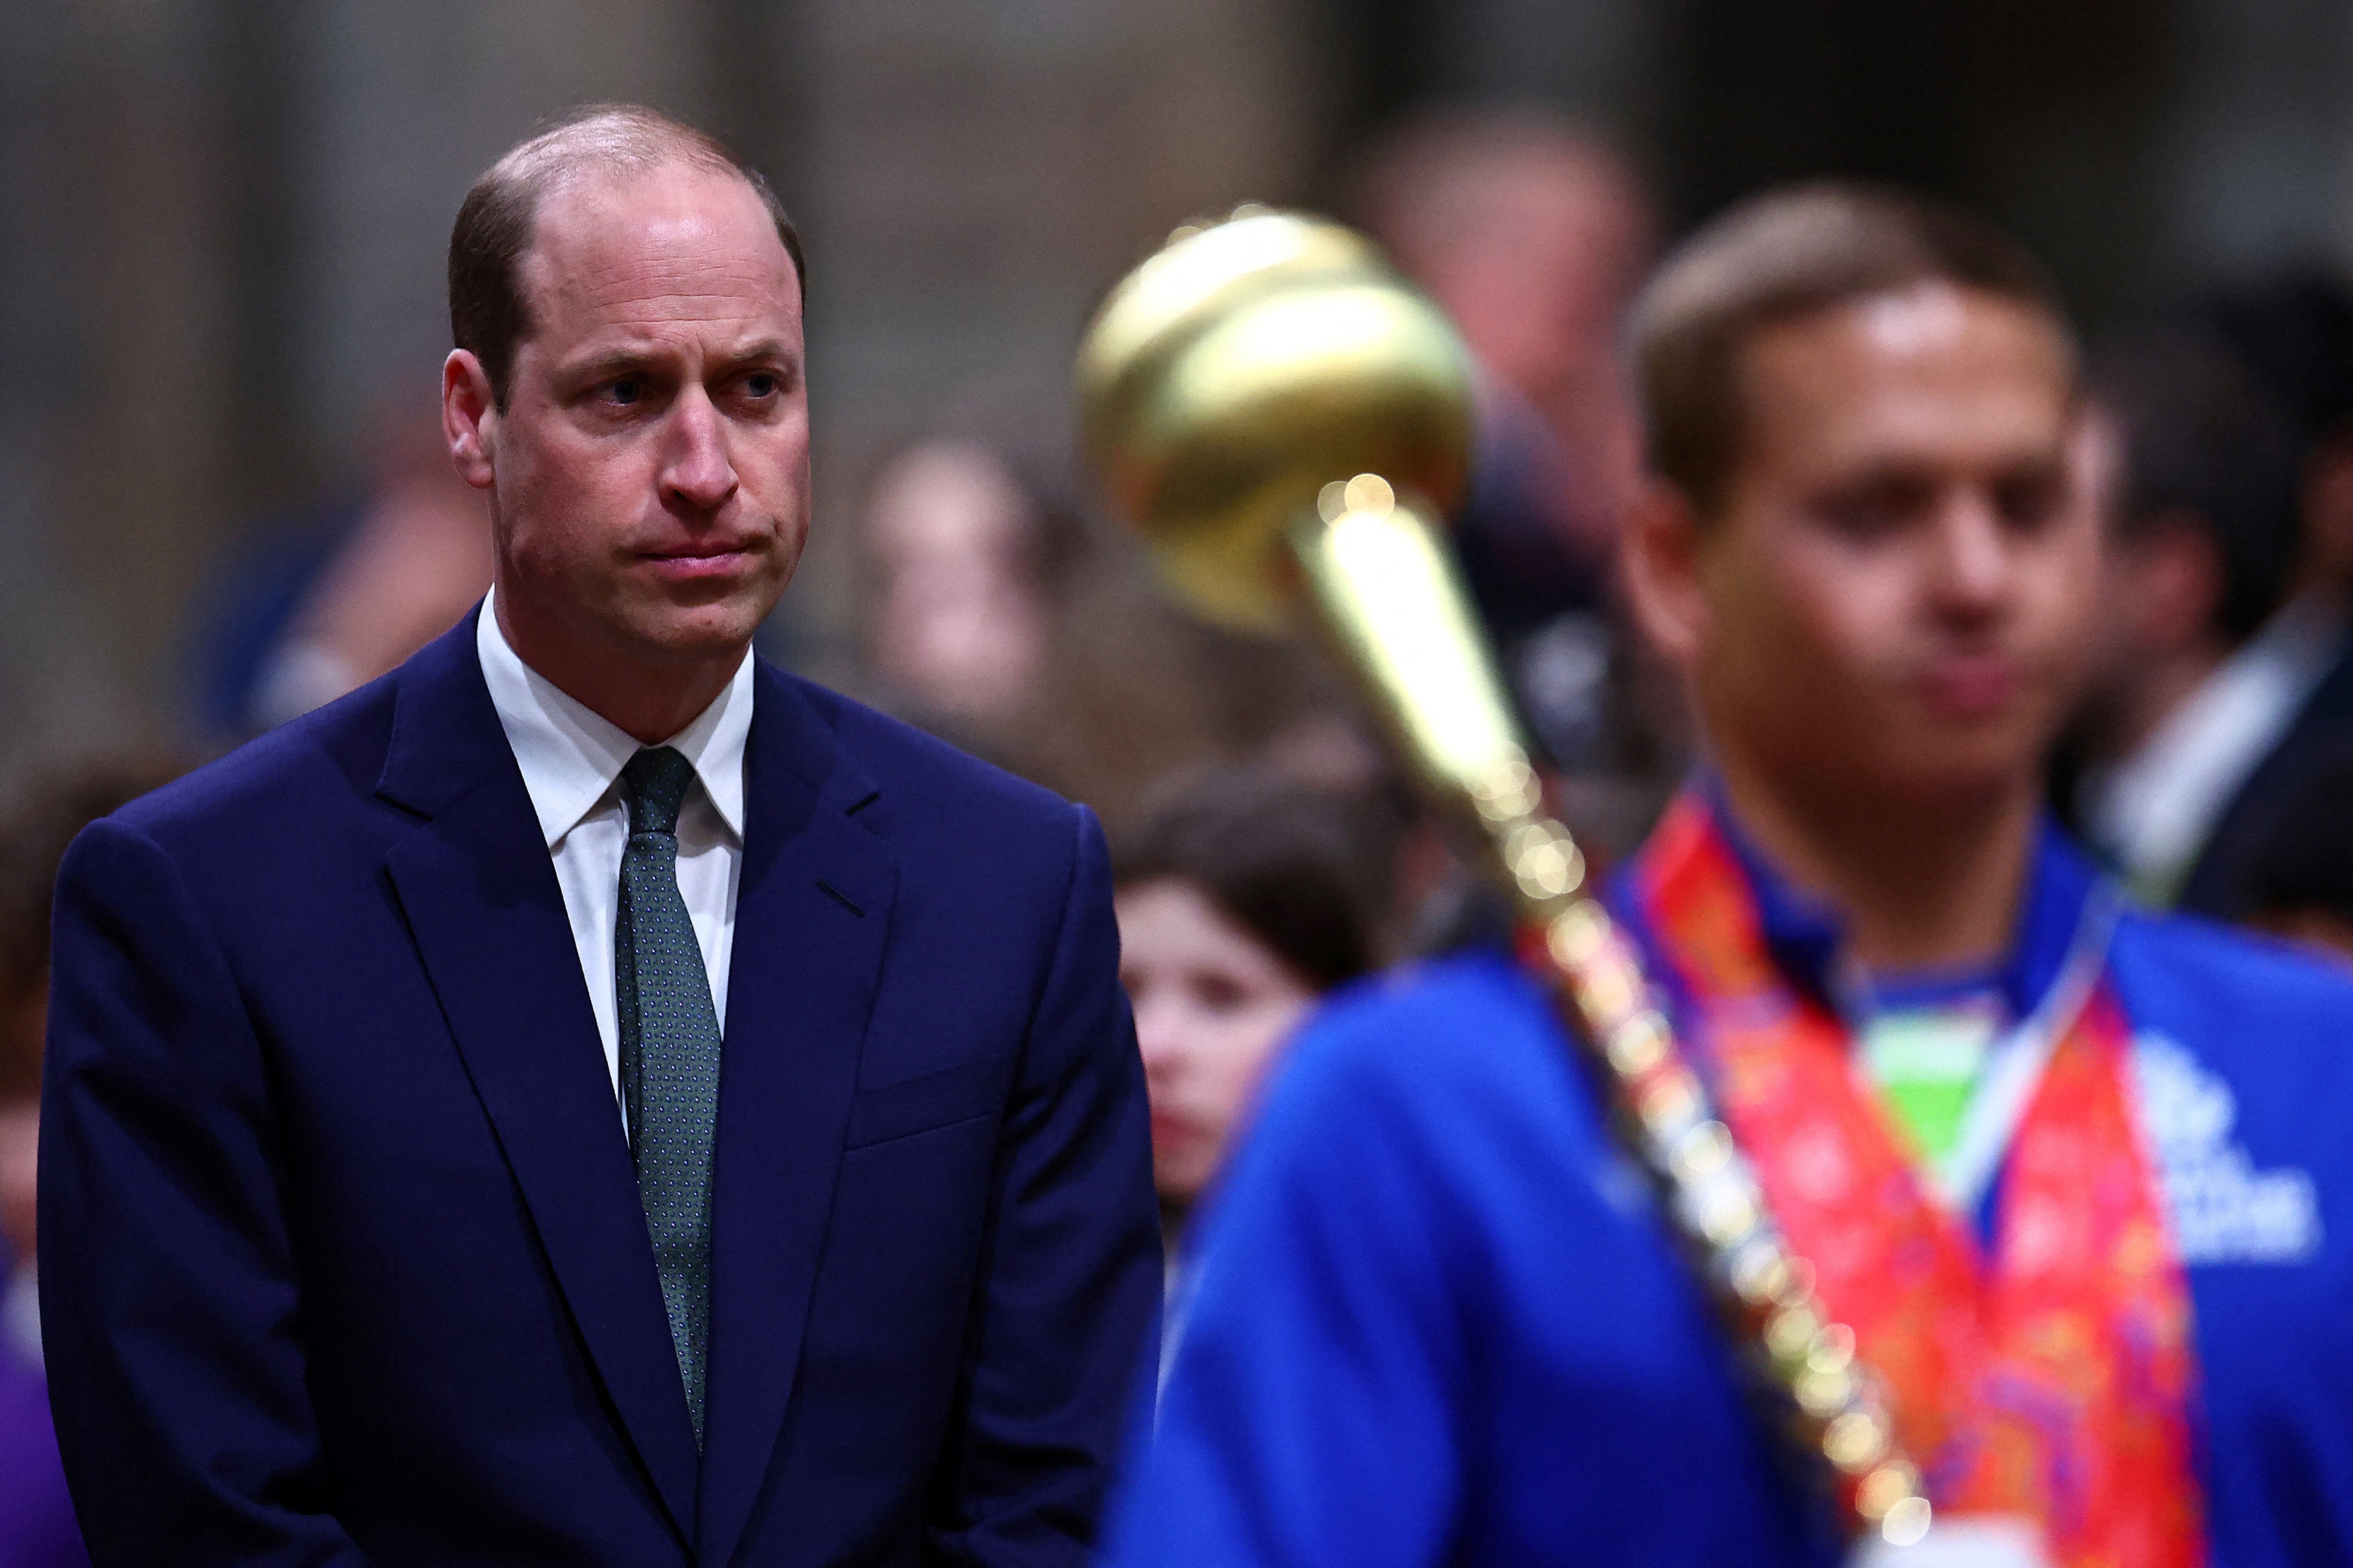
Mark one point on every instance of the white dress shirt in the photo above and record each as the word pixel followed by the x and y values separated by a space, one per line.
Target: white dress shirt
pixel 570 760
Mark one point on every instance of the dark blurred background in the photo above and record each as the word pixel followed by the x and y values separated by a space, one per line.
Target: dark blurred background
pixel 221 309
pixel 224 498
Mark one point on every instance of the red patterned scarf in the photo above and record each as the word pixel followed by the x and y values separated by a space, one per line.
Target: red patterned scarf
pixel 2049 1380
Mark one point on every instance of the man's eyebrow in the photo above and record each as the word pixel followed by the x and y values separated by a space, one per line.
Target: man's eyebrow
pixel 760 349
pixel 637 358
pixel 614 361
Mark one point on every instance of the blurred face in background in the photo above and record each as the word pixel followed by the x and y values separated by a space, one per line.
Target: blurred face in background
pixel 1534 241
pixel 1534 248
pixel 957 620
pixel 1212 1007
pixel 22 1019
pixel 650 474
pixel 1894 599
pixel 20 1147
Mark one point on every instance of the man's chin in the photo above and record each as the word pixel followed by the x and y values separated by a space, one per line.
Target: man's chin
pixel 698 634
pixel 1955 776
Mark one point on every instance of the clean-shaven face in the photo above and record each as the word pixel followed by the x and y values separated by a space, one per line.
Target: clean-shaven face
pixel 651 490
pixel 1212 1007
pixel 1900 581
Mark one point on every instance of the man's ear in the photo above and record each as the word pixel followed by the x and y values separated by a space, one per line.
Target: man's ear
pixel 469 417
pixel 1660 552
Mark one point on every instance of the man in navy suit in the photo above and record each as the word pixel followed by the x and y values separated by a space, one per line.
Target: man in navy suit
pixel 588 1097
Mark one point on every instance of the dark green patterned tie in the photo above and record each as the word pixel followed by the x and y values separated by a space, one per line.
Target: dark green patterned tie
pixel 670 1056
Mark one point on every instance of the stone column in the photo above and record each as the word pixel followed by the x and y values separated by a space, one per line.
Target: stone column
pixel 113 358
pixel 397 109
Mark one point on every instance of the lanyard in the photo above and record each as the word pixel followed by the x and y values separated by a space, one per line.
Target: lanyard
pixel 2014 1063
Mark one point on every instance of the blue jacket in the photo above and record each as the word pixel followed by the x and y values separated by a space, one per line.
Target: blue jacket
pixel 341 1257
pixel 1437 1319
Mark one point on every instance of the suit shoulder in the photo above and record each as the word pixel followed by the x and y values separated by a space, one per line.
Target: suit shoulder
pixel 918 772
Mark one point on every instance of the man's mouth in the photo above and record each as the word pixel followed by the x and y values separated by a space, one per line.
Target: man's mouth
pixel 1170 1131
pixel 712 558
pixel 1970 686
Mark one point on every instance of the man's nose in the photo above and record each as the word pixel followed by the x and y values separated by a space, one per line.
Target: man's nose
pixel 699 471
pixel 1974 562
pixel 1155 1039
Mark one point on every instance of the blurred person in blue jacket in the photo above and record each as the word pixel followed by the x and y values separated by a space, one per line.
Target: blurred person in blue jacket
pixel 2075 1176
pixel 320 604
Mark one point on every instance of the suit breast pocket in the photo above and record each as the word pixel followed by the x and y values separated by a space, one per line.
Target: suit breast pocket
pixel 965 1092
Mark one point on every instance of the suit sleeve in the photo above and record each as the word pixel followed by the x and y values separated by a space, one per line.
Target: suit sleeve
pixel 1070 1288
pixel 170 1314
pixel 1312 1411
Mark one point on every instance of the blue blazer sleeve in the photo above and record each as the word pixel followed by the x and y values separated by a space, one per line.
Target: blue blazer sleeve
pixel 1069 1282
pixel 1310 1415
pixel 171 1324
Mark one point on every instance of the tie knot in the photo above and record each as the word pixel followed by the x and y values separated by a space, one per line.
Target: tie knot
pixel 653 785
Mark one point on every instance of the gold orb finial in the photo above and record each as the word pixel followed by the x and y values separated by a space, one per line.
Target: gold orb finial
pixel 1243 367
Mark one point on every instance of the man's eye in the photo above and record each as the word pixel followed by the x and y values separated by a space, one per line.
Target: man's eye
pixel 1865 518
pixel 1219 993
pixel 764 384
pixel 1874 511
pixel 2028 504
pixel 624 390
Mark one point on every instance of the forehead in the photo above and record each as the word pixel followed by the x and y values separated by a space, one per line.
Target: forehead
pixel 667 249
pixel 1931 374
pixel 1173 916
pixel 1506 195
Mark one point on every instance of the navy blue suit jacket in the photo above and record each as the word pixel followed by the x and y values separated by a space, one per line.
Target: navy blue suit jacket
pixel 342 1256
pixel 2264 819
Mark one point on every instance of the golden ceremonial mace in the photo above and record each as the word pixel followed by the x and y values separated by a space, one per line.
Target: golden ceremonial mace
pixel 1285 420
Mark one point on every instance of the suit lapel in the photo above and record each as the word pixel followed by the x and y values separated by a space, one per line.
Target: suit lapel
pixel 812 910
pixel 480 893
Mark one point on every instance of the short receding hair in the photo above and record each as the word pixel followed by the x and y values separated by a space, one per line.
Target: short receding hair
pixel 1777 258
pixel 489 315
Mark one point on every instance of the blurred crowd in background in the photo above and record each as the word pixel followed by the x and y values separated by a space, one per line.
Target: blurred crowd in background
pixel 225 499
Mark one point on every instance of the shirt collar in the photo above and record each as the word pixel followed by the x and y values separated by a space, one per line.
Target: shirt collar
pixel 570 755
pixel 1807 940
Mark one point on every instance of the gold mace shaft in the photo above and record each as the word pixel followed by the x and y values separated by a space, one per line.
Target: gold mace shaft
pixel 1285 421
